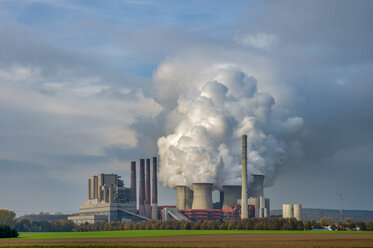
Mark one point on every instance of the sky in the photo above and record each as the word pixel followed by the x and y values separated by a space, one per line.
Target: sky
pixel 88 86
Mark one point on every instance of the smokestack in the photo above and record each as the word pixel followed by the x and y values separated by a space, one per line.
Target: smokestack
pixel 142 187
pixel 95 187
pixel 256 187
pixel 154 191
pixel 244 205
pixel 133 182
pixel 147 190
pixel 202 196
pixel 232 193
pixel 184 197
pixel 89 189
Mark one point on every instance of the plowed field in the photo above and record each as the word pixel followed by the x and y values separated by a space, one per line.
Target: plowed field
pixel 225 240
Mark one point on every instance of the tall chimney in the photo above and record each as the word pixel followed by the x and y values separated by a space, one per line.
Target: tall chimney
pixel 133 182
pixel 89 189
pixel 142 187
pixel 147 190
pixel 154 191
pixel 244 206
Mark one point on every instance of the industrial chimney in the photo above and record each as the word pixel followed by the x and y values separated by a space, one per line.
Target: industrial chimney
pixel 147 190
pixel 202 196
pixel 232 193
pixel 155 191
pixel 184 197
pixel 142 187
pixel 133 182
pixel 256 187
pixel 244 205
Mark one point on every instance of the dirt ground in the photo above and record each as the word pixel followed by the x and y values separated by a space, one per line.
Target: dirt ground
pixel 236 240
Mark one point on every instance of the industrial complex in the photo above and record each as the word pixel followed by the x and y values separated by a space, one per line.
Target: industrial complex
pixel 109 200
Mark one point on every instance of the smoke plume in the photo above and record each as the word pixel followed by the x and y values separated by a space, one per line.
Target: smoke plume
pixel 211 116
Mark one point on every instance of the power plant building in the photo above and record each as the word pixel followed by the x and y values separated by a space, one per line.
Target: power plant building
pixel 196 203
pixel 109 200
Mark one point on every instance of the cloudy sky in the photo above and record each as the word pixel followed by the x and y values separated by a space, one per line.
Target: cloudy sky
pixel 86 87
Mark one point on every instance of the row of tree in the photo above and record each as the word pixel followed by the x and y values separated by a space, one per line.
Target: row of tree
pixel 270 223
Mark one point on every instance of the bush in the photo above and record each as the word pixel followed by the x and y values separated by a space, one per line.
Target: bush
pixel 7 232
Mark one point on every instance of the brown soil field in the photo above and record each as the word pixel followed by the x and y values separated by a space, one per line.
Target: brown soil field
pixel 226 240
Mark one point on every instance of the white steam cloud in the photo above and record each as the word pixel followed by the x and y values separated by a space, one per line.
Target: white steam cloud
pixel 205 145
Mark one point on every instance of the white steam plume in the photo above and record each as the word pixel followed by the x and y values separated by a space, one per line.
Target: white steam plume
pixel 206 143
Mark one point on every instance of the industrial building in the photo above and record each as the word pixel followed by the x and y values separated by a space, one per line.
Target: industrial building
pixel 196 203
pixel 292 211
pixel 109 200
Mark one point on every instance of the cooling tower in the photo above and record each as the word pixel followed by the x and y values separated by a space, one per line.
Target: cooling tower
pixel 133 182
pixel 297 208
pixel 202 196
pixel 147 190
pixel 154 191
pixel 184 197
pixel 244 206
pixel 287 211
pixel 232 193
pixel 142 187
pixel 256 187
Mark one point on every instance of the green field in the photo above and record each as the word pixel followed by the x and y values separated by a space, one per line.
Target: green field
pixel 151 233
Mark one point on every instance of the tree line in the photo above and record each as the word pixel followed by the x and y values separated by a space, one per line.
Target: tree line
pixel 270 223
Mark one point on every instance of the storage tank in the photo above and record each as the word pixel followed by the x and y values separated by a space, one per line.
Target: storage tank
pixel 184 197
pixel 232 193
pixel 256 187
pixel 202 196
pixel 287 211
pixel 297 211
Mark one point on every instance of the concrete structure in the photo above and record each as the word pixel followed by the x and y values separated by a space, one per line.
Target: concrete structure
pixel 231 194
pixel 91 219
pixel 133 182
pixel 287 211
pixel 256 187
pixel 202 196
pixel 90 189
pixel 148 211
pixel 154 191
pixel 184 197
pixel 142 187
pixel 107 188
pixel 297 210
pixel 244 207
pixel 93 211
pixel 111 201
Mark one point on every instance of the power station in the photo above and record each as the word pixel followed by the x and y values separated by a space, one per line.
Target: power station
pixel 109 199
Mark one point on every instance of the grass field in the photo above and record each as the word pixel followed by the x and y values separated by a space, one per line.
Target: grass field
pixel 155 233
